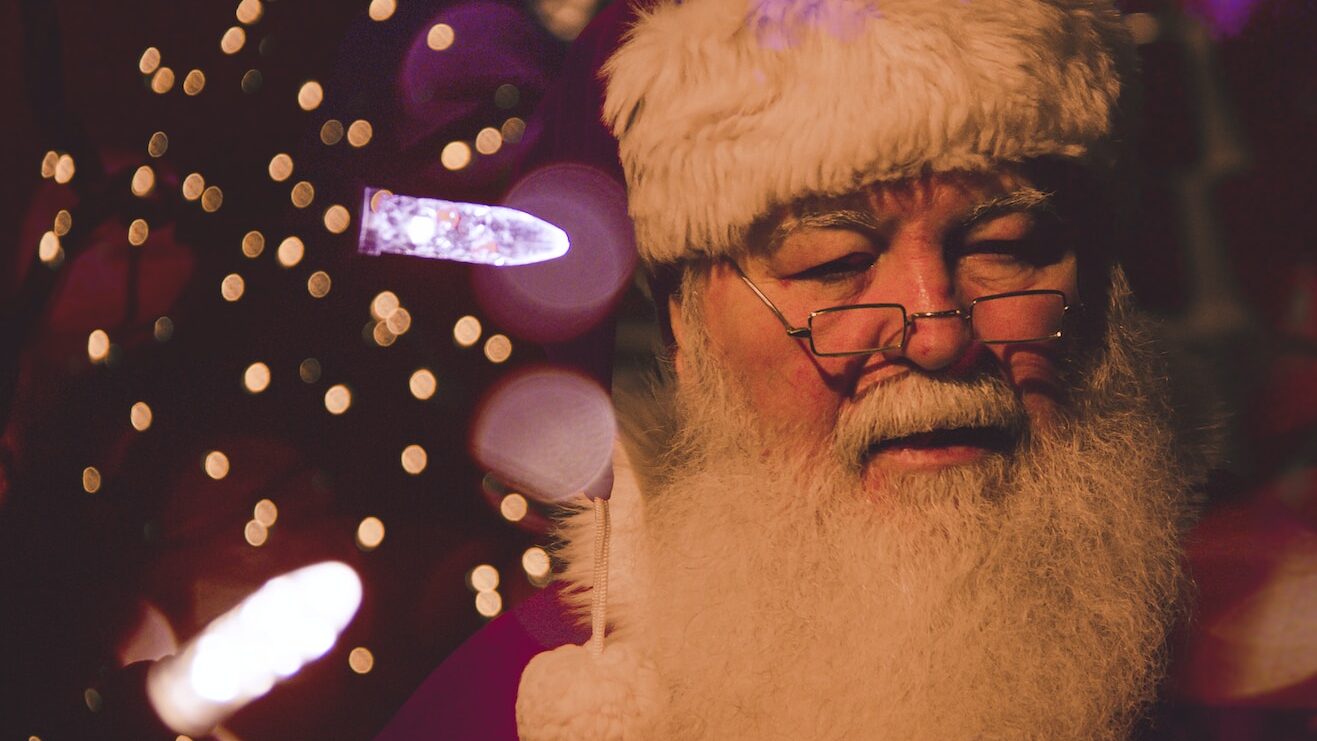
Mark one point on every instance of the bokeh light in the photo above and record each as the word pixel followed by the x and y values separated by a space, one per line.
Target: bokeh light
pixel 215 464
pixel 65 169
pixel 535 561
pixel 370 533
pixel 280 168
pixel 377 197
pixel 256 533
pixel 507 96
pixel 302 194
pixel 290 252
pixel 253 243
pixel 140 416
pixel 49 249
pixel 138 231
pixel 158 144
pixel 265 512
pixel 455 155
pixel 378 332
pixel 384 304
pixel 163 329
pixel 414 459
pixel 149 61
pixel 91 480
pixel 249 11
pixel 256 378
pixel 251 81
pixel 143 181
pixel 382 10
pixel 361 660
pixel 162 81
pixel 63 222
pixel 489 604
pixel 422 383
pixel 338 398
pixel 439 37
pixel 360 132
pixel 466 331
pixel 318 284
pixel 98 345
pixel 194 82
pixel 211 199
pixel 489 140
pixel 309 370
pixel 233 39
pixel 48 164
pixel 193 184
pixel 337 219
pixel 513 507
pixel 331 132
pixel 232 287
pixel 399 321
pixel 483 578
pixel 513 129
pixel 310 95
pixel 498 348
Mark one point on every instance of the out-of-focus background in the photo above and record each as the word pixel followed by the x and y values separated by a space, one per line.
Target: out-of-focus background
pixel 204 385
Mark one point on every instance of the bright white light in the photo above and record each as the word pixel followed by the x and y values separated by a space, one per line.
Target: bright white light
pixel 290 621
pixel 420 229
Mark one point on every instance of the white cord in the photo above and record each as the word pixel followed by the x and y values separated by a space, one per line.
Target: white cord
pixel 599 603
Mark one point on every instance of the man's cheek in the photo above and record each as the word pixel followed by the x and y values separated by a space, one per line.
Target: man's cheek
pixel 1032 370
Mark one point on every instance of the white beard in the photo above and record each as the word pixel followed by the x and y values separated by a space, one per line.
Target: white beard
pixel 1021 598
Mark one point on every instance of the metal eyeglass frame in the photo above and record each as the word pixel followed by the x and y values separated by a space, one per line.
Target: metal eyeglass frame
pixel 908 319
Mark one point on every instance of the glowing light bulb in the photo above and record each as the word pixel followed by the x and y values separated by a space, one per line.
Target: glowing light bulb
pixel 421 229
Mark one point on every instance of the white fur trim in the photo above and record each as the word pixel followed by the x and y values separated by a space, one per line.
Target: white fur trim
pixel 569 695
pixel 724 109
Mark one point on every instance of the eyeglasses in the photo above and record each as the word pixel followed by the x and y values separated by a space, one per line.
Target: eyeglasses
pixel 998 319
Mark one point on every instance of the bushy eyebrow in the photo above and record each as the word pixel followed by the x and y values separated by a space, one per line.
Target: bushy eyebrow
pixel 1023 200
pixel 838 218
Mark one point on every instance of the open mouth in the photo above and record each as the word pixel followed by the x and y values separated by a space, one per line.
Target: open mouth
pixel 989 439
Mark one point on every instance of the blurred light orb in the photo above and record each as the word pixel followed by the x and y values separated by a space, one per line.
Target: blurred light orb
pixel 211 199
pixel 382 10
pixel 194 82
pixel 422 383
pixel 49 249
pixel 547 432
pixel 256 378
pixel 216 465
pixel 91 480
pixel 483 578
pixel 256 533
pixel 233 39
pixel 440 36
pixel 378 197
pixel 489 140
pixel 466 331
pixel 138 231
pixel 318 284
pixel 337 219
pixel 249 11
pixel 498 348
pixel 560 299
pixel 414 459
pixel 163 329
pixel 489 604
pixel 302 194
pixel 65 169
pixel 565 18
pixel 48 164
pixel 309 370
pixel 338 398
pixel 140 416
pixel 280 168
pixel 290 252
pixel 535 561
pixel 384 304
pixel 421 229
pixel 399 321
pixel 158 144
pixel 1144 27
pixel 380 334
pixel 265 512
pixel 331 132
pixel 63 222
pixel 251 81
pixel 455 155
pixel 93 700
pixel 143 181
pixel 360 132
pixel 232 287
pixel 310 95
pixel 162 81
pixel 149 61
pixel 98 345
pixel 193 184
pixel 370 533
pixel 507 96
pixel 253 244
pixel 361 660
pixel 513 507
pixel 513 129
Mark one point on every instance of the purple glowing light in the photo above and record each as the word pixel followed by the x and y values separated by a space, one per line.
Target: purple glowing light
pixel 549 433
pixel 559 300
pixel 465 232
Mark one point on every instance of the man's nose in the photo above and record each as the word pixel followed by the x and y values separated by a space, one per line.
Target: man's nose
pixel 937 339
pixel 937 335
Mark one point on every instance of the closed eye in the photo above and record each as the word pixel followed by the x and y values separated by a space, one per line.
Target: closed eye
pixel 840 269
pixel 1030 251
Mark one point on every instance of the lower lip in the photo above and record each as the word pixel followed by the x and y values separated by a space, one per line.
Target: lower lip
pixel 911 457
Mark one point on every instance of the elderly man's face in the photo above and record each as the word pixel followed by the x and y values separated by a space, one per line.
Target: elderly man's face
pixel 932 244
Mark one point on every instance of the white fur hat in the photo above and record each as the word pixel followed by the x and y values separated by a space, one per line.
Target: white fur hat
pixel 725 109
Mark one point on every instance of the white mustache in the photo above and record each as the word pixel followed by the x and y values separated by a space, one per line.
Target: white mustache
pixel 917 403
